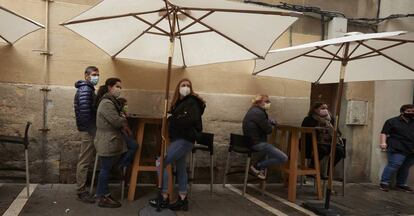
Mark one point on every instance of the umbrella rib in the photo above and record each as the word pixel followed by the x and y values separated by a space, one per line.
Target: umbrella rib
pixel 156 27
pixel 320 57
pixel 111 17
pixel 194 22
pixel 5 40
pixel 356 47
pixel 152 25
pixel 181 44
pixel 388 57
pixel 223 35
pixel 330 53
pixel 196 32
pixel 280 13
pixel 368 53
pixel 287 60
pixel 329 64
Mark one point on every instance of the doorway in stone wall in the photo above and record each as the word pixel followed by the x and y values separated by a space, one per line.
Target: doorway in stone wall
pixel 324 93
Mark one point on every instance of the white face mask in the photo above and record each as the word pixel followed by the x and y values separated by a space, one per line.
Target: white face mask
pixel 185 90
pixel 266 106
pixel 94 80
pixel 116 92
pixel 323 112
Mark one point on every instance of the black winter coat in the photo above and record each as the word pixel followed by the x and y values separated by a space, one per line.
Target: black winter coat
pixel 185 121
pixel 256 125
pixel 84 106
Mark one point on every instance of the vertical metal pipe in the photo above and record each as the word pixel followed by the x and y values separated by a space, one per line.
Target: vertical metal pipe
pixel 45 89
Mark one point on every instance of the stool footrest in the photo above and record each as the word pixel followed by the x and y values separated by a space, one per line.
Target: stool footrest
pixel 304 171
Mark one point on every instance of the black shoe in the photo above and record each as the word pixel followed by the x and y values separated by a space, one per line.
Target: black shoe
pixel 108 202
pixel 180 204
pixel 384 187
pixel 404 188
pixel 164 203
pixel 86 197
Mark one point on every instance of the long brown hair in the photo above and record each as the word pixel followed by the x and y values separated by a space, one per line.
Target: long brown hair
pixel 176 96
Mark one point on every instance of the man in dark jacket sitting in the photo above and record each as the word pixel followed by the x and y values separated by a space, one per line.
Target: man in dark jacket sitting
pixel 257 125
pixel 86 123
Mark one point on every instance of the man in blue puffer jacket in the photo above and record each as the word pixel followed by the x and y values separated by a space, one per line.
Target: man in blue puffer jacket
pixel 84 104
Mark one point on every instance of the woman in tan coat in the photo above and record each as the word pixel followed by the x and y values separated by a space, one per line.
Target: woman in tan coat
pixel 109 143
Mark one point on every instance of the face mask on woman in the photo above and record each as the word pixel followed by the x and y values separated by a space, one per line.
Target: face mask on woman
pixel 266 106
pixel 323 112
pixel 185 90
pixel 116 92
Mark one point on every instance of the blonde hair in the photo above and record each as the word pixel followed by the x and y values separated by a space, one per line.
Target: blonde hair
pixel 258 99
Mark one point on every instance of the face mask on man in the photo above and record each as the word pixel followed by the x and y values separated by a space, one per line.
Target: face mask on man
pixel 116 92
pixel 408 115
pixel 185 90
pixel 266 106
pixel 94 80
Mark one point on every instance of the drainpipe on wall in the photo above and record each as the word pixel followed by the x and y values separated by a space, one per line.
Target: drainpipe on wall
pixel 45 90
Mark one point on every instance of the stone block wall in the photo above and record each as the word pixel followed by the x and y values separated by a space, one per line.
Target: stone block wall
pixel 54 160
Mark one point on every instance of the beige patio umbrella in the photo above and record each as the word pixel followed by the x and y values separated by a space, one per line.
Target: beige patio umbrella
pixel 357 57
pixel 14 26
pixel 207 32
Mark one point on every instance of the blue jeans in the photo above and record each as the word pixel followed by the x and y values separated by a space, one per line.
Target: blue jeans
pixel 397 163
pixel 177 152
pixel 274 155
pixel 106 165
pixel 128 156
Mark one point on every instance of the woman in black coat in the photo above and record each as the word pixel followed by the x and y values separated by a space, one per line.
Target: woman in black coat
pixel 319 116
pixel 185 124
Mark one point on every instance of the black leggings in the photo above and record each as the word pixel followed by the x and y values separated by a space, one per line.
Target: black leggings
pixel 325 150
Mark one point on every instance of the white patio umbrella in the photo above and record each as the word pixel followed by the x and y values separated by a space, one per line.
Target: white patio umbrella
pixel 357 57
pixel 14 26
pixel 207 31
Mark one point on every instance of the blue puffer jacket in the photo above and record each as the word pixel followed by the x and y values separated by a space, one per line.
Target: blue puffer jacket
pixel 84 106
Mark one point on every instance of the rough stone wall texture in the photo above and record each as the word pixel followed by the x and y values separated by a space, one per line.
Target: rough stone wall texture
pixel 21 103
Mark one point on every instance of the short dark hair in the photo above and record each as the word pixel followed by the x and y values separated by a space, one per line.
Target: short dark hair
pixel 90 69
pixel 406 107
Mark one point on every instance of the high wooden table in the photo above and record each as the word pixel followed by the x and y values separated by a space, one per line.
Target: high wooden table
pixel 141 122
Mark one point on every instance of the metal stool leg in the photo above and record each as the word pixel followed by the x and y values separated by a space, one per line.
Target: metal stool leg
pixel 226 169
pixel 192 165
pixel 211 174
pixel 93 173
pixel 26 155
pixel 344 177
pixel 124 169
pixel 246 175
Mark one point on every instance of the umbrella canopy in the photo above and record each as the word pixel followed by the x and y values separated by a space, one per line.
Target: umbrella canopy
pixel 208 31
pixel 13 26
pixel 358 57
pixel 377 56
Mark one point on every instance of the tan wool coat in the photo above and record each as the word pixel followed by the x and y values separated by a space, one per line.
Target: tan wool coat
pixel 108 139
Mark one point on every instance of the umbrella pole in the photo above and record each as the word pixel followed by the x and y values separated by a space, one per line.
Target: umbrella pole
pixel 325 209
pixel 336 126
pixel 164 119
